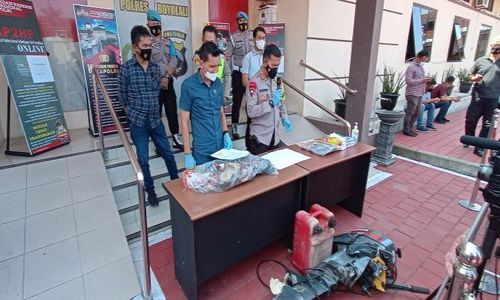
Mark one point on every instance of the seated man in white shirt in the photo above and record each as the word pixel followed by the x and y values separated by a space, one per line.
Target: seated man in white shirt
pixel 253 60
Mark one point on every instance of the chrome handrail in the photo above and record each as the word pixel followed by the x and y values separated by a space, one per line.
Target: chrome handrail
pixel 137 169
pixel 346 124
pixel 345 87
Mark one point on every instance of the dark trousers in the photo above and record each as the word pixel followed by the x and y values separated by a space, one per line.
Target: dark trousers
pixel 255 147
pixel 238 93
pixel 480 107
pixel 443 107
pixel 169 100
pixel 140 136
pixel 412 111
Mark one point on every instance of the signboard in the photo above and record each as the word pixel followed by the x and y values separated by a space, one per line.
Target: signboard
pixel 19 31
pixel 224 34
pixel 100 49
pixel 275 34
pixel 175 23
pixel 32 83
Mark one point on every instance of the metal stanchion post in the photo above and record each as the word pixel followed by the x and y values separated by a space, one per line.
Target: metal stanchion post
pixel 469 256
pixel 471 204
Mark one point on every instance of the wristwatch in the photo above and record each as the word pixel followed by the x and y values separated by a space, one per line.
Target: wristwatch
pixel 271 103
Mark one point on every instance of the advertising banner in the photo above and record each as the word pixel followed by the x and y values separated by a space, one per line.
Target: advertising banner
pixel 100 49
pixel 32 83
pixel 224 35
pixel 275 34
pixel 19 31
pixel 175 21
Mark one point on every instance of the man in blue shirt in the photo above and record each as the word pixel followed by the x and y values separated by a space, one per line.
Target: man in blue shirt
pixel 253 60
pixel 202 99
pixel 139 88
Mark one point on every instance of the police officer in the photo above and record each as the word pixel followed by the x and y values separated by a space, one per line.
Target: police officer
pixel 240 45
pixel 202 105
pixel 209 34
pixel 265 106
pixel 164 54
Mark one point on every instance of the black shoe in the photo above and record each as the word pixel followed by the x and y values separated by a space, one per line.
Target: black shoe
pixel 431 127
pixel 479 152
pixel 409 133
pixel 152 199
pixel 446 120
pixel 440 121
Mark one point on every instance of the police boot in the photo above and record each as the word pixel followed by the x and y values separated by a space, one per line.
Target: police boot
pixel 236 135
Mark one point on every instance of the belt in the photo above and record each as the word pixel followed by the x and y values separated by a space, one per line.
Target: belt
pixel 236 68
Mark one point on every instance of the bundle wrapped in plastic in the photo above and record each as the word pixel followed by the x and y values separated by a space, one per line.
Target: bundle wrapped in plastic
pixel 319 147
pixel 222 175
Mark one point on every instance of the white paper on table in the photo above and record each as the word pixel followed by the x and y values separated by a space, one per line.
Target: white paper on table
pixel 40 68
pixel 230 154
pixel 284 158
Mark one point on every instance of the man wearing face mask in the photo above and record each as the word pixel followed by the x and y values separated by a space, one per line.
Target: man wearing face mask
pixel 253 60
pixel 485 73
pixel 164 56
pixel 202 104
pixel 241 44
pixel 138 88
pixel 265 106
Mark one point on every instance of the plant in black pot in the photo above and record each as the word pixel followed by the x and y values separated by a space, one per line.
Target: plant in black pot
pixel 392 83
pixel 341 102
pixel 449 72
pixel 465 82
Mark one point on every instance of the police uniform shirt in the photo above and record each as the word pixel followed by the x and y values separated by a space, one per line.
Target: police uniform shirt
pixel 251 63
pixel 160 54
pixel 265 118
pixel 241 44
pixel 204 104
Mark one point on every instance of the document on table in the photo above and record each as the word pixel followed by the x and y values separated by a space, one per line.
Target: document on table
pixel 230 154
pixel 284 158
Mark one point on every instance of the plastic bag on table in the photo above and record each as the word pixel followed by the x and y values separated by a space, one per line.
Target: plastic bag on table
pixel 319 147
pixel 222 175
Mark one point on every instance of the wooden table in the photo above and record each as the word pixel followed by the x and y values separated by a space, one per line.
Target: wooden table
pixel 215 230
pixel 339 177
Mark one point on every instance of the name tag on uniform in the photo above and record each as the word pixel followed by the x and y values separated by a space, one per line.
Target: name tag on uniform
pixel 263 90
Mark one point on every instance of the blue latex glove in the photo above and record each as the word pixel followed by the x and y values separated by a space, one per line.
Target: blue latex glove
pixel 189 162
pixel 278 95
pixel 287 124
pixel 228 143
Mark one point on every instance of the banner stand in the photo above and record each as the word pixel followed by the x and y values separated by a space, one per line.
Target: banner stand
pixel 7 150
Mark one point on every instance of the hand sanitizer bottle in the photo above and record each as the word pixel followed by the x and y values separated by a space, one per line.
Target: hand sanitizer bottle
pixel 355 132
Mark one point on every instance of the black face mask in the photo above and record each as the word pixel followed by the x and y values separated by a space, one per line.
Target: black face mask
pixel 272 72
pixel 155 30
pixel 495 51
pixel 145 54
pixel 243 27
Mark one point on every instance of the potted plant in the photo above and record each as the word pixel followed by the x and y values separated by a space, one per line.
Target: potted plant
pixel 447 73
pixel 341 102
pixel 432 75
pixel 465 82
pixel 392 83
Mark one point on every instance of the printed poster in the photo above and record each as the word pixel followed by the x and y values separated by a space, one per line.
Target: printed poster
pixel 100 49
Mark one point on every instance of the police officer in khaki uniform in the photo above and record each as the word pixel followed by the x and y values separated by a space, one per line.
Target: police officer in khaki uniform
pixel 163 53
pixel 241 44
pixel 265 107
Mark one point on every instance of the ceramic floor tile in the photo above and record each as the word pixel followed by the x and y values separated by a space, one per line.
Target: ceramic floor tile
pixel 84 164
pixel 49 227
pixel 11 239
pixel 12 179
pixel 101 247
pixel 12 206
pixel 51 266
pixel 48 171
pixel 47 197
pixel 95 213
pixel 72 290
pixel 90 186
pixel 104 284
pixel 11 279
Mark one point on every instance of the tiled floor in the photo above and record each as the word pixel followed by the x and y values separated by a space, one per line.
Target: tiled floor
pixel 416 207
pixel 445 140
pixel 61 237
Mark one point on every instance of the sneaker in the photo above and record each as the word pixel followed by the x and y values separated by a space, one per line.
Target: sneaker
pixel 446 120
pixel 414 131
pixel 409 133
pixel 440 121
pixel 422 128
pixel 431 127
pixel 178 142
pixel 153 199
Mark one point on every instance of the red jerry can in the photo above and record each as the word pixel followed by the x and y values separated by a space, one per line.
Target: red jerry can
pixel 312 237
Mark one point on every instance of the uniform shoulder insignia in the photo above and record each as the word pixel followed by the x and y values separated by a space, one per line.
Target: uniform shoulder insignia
pixel 252 86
